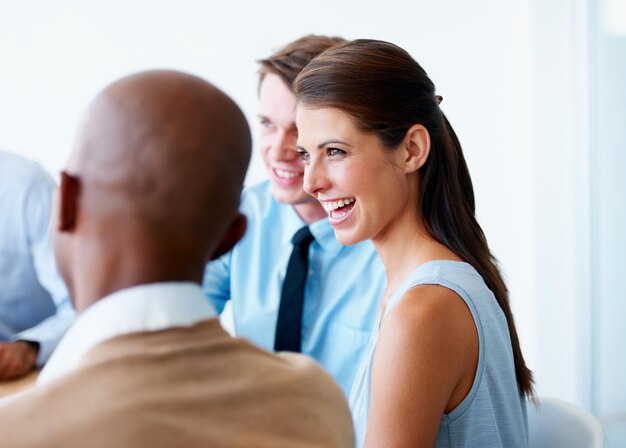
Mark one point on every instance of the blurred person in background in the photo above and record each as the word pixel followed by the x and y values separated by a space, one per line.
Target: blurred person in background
pixel 34 308
pixel 327 307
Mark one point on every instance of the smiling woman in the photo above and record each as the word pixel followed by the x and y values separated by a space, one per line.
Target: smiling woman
pixel 356 205
pixel 444 366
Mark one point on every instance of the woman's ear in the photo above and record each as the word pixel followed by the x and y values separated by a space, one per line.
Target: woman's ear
pixel 416 148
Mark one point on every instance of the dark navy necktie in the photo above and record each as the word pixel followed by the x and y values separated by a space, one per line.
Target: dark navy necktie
pixel 289 324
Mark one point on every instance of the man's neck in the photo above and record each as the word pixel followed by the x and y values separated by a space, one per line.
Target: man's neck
pixel 133 265
pixel 310 212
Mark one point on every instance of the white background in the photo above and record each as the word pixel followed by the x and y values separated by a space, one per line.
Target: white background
pixel 513 75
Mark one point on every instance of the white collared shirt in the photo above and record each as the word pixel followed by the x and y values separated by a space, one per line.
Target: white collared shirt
pixel 151 307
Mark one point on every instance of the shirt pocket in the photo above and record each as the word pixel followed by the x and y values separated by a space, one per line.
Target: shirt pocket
pixel 344 349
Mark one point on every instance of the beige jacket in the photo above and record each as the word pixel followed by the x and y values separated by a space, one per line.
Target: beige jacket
pixel 183 387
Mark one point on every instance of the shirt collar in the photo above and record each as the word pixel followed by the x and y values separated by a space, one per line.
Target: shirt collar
pixel 325 235
pixel 322 230
pixel 151 307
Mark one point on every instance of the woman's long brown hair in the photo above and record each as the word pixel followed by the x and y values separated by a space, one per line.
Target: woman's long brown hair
pixel 386 92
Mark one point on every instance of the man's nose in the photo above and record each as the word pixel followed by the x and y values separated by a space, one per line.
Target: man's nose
pixel 284 146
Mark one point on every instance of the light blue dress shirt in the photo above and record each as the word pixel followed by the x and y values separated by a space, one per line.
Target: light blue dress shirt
pixel 342 292
pixel 34 303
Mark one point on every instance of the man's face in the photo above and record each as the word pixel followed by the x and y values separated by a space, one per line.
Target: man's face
pixel 278 141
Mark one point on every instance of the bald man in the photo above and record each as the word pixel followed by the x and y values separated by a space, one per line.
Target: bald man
pixel 150 193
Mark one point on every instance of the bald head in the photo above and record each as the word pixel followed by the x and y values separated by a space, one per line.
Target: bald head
pixel 164 145
pixel 158 170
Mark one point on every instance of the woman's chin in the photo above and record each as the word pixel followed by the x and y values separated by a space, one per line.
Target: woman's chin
pixel 347 238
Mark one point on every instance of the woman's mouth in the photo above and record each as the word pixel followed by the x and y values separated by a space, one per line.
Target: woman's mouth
pixel 338 210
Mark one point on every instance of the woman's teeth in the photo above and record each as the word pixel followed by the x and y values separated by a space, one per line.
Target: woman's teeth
pixel 330 206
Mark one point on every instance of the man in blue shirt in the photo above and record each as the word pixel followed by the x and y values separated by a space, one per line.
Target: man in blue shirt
pixel 34 307
pixel 344 284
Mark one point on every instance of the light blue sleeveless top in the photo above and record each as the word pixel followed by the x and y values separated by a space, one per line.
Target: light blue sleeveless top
pixel 494 412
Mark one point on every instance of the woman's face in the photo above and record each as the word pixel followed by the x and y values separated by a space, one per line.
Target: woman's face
pixel 361 185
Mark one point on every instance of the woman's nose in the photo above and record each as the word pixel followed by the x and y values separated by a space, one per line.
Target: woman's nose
pixel 315 178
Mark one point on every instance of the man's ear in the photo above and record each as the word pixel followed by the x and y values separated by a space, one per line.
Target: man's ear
pixel 233 234
pixel 69 192
pixel 416 148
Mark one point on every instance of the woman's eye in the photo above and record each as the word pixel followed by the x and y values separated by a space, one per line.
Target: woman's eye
pixel 335 152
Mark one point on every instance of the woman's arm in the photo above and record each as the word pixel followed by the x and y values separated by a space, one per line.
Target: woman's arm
pixel 424 365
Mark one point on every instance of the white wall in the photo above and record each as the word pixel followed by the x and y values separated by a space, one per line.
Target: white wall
pixel 560 175
pixel 505 70
pixel 608 164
